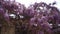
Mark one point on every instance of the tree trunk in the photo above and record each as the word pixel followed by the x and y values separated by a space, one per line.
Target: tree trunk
pixel 6 29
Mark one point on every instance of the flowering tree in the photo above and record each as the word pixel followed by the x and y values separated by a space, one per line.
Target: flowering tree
pixel 15 18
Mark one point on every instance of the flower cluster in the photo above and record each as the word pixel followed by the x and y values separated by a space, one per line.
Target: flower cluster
pixel 38 18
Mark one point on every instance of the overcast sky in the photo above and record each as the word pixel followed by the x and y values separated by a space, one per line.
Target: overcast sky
pixel 28 2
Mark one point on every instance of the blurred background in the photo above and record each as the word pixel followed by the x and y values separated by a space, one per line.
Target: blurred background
pixel 28 2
